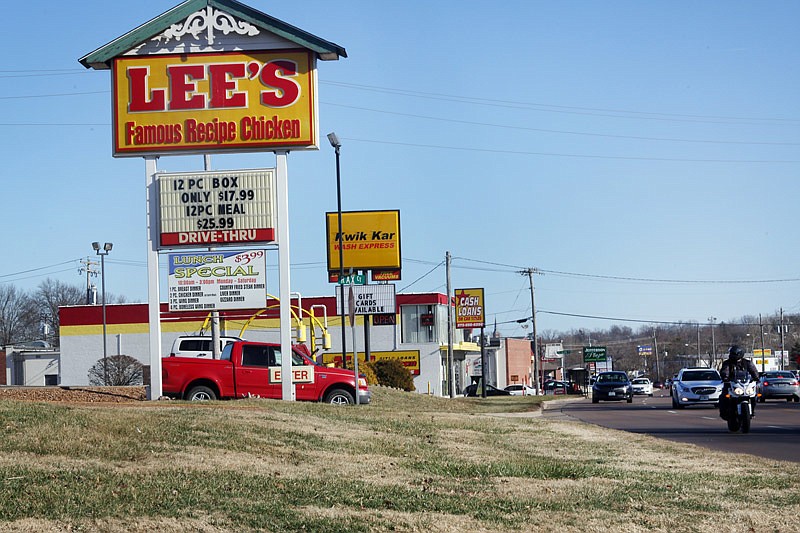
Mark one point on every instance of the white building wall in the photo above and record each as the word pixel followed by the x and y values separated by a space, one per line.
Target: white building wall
pixel 34 366
pixel 80 352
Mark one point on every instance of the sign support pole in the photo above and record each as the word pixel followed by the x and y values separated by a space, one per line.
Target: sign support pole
pixel 353 331
pixel 484 373
pixel 153 296
pixel 285 294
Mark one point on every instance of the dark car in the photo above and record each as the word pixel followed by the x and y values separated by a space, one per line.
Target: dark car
pixel 491 390
pixel 780 384
pixel 613 386
pixel 552 386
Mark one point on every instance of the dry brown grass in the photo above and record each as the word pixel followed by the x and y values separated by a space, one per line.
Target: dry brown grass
pixel 406 463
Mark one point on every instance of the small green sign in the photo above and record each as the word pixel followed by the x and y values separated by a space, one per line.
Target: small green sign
pixel 594 354
pixel 564 352
pixel 358 279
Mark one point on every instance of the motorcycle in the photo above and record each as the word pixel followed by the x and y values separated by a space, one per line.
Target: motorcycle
pixel 739 400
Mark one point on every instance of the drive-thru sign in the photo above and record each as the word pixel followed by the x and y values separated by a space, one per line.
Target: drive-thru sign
pixel 213 76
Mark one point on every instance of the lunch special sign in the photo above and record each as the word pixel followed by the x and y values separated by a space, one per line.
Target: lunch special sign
pixel 229 101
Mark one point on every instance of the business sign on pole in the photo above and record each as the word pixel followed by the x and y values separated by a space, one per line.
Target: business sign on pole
pixel 469 309
pixel 212 102
pixel 595 354
pixel 370 240
pixel 217 207
pixel 217 280
pixel 367 299
pixel 645 350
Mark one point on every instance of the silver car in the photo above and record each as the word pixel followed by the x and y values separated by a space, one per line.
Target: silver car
pixel 780 384
pixel 696 386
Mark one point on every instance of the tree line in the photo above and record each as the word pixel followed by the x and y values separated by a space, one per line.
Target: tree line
pixel 27 316
pixel 679 344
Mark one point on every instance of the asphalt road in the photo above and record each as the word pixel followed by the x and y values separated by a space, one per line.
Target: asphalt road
pixel 775 431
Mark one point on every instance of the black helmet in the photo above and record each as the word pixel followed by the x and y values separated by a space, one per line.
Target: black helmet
pixel 736 353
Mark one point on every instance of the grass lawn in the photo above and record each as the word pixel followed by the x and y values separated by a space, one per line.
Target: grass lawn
pixel 408 462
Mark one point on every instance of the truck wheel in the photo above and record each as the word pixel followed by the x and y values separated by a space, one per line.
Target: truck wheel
pixel 339 397
pixel 201 393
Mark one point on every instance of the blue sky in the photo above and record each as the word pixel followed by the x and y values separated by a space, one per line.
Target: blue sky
pixel 642 155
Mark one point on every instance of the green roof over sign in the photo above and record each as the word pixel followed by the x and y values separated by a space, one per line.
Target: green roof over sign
pixel 102 58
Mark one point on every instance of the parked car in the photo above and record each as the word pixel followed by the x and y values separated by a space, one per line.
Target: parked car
pixel 642 386
pixel 781 384
pixel 553 386
pixel 613 386
pixel 198 346
pixel 696 386
pixel 491 390
pixel 520 390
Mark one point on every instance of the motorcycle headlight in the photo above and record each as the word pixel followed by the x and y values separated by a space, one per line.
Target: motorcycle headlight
pixel 738 391
pixel 751 388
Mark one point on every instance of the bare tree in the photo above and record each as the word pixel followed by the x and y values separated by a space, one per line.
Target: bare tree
pixel 52 294
pixel 18 316
pixel 116 371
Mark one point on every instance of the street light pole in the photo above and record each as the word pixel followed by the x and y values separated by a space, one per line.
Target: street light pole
pixel 103 253
pixel 712 320
pixel 334 140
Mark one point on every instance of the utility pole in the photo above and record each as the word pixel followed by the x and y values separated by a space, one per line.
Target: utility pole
pixel 783 347
pixel 89 272
pixel 655 347
pixel 451 386
pixel 713 319
pixel 535 344
pixel 698 341
pixel 763 352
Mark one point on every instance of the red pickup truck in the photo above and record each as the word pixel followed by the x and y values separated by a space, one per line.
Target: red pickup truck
pixel 247 369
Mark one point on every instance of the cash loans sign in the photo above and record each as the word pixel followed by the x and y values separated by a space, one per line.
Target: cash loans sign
pixel 199 103
pixel 469 309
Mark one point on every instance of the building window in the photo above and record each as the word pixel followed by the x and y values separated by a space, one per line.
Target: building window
pixel 418 324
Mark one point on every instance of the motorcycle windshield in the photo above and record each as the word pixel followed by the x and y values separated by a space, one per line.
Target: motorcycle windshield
pixel 741 375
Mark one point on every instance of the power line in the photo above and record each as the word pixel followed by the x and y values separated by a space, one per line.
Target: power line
pixel 565 132
pixel 580 156
pixel 629 278
pixel 38 268
pixel 422 277
pixel 616 113
pixel 24 96
pixel 534 106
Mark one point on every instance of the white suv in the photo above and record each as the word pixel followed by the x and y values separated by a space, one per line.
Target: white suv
pixel 198 346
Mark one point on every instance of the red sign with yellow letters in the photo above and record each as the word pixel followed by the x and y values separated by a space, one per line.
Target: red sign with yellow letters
pixel 200 103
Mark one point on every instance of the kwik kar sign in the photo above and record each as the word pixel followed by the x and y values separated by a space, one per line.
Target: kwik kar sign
pixel 370 240
pixel 208 102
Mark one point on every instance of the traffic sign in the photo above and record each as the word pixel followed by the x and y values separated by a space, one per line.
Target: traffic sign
pixel 564 352
pixel 357 279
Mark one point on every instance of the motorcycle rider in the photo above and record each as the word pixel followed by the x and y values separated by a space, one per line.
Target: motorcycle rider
pixel 735 361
